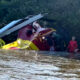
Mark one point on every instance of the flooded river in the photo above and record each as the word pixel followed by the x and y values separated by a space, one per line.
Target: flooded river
pixel 25 65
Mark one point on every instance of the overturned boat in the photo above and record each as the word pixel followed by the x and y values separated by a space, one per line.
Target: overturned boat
pixel 28 38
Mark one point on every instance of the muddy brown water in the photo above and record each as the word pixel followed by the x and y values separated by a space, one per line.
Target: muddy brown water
pixel 29 65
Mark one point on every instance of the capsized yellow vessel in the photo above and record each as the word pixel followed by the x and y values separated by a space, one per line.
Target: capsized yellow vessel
pixel 21 44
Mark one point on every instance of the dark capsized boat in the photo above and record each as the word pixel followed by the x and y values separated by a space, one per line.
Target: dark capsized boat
pixel 28 38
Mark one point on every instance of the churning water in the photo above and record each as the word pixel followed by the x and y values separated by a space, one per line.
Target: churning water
pixel 28 65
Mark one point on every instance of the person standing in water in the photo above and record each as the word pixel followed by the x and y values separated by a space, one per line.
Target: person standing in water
pixel 73 46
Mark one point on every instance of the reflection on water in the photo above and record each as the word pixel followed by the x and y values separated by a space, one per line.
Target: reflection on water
pixel 28 65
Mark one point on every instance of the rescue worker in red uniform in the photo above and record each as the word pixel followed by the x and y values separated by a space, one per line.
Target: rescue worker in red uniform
pixel 73 47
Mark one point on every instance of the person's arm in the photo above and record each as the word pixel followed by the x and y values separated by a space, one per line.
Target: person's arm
pixel 76 45
pixel 68 47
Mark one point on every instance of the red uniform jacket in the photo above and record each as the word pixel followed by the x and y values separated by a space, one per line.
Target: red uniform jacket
pixel 72 46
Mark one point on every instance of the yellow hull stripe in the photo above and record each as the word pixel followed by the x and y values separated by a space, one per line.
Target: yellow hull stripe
pixel 22 44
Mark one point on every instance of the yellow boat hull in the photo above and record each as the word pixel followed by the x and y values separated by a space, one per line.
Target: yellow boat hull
pixel 21 44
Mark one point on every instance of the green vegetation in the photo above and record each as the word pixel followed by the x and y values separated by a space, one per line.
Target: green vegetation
pixel 64 15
